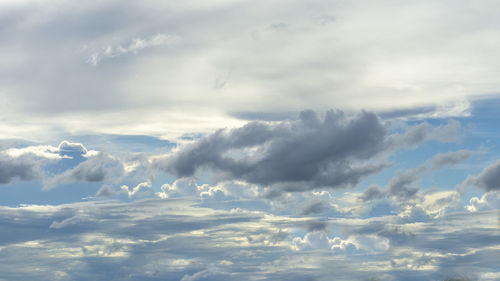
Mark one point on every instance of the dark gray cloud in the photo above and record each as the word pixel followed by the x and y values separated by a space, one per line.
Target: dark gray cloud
pixel 403 184
pixel 297 155
pixel 488 179
pixel 371 193
pixel 314 207
pixel 337 151
pixel 23 168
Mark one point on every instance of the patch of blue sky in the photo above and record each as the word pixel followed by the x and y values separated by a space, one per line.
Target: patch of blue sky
pixel 21 192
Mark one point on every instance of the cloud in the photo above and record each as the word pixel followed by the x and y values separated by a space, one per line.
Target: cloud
pixel 451 158
pixel 22 168
pixel 168 239
pixel 106 191
pixel 416 134
pixel 26 163
pixel 371 193
pixel 404 184
pixel 319 240
pixel 488 179
pixel 65 149
pixel 95 169
pixel 314 207
pixel 136 45
pixel 489 200
pixel 274 70
pixel 142 189
pixel 297 155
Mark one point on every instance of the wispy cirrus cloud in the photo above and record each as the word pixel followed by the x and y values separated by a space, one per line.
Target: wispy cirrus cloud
pixel 135 46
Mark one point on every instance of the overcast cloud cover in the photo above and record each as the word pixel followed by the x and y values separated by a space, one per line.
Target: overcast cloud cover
pixel 243 140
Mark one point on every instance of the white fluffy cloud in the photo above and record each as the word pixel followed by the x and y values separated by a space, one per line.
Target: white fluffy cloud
pixel 319 240
pixel 489 200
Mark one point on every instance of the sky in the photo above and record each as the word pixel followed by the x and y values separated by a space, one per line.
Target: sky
pixel 249 140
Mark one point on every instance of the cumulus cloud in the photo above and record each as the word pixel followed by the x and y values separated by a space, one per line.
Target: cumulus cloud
pixel 319 240
pixel 489 200
pixel 295 155
pixel 142 189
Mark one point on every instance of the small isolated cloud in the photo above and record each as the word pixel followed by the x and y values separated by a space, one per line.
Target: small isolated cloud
pixel 439 161
pixel 488 179
pixel 140 190
pixel 106 191
pixel 403 184
pixel 134 46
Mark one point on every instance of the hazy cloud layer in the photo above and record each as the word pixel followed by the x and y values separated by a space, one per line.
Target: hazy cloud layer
pixel 26 163
pixel 121 66
pixel 167 239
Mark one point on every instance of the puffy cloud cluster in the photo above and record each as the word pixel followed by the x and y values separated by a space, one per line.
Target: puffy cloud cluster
pixel 308 153
pixel 319 240
pixel 142 189
pixel 175 238
pixel 26 163
pixel 489 200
